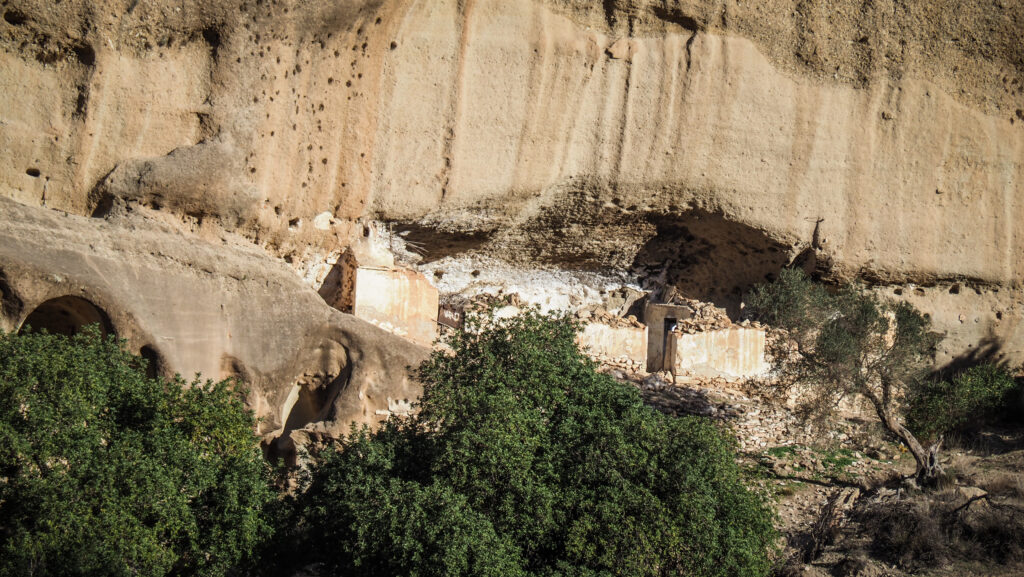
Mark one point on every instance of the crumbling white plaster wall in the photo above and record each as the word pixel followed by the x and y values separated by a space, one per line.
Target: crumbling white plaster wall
pixel 734 354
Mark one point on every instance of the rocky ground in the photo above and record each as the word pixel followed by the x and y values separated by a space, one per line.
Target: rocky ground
pixel 845 505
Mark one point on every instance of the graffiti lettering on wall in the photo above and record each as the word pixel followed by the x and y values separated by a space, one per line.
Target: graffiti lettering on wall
pixel 450 316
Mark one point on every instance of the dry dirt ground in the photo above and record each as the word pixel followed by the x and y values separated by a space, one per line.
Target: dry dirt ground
pixel 845 505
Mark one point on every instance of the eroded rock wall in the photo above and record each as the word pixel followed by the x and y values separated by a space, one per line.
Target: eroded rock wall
pixel 219 310
pixel 883 140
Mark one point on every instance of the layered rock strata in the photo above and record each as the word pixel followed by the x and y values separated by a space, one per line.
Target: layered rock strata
pixel 706 143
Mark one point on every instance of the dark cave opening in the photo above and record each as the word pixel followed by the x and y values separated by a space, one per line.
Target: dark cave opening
pixel 66 316
pixel 702 255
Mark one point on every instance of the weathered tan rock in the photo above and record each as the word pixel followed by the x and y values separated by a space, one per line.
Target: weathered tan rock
pixel 198 181
pixel 223 310
pixel 884 141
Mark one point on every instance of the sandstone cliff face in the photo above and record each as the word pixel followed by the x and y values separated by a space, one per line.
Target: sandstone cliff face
pixel 709 141
pixel 220 310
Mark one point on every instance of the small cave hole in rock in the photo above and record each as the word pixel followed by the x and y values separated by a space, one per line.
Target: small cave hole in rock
pixel 212 37
pixel 153 363
pixel 85 54
pixel 14 18
pixel 66 316
pixel 33 172
pixel 676 17
pixel 609 12
pixel 81 101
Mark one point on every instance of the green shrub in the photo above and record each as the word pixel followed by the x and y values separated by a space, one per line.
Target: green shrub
pixel 938 407
pixel 104 471
pixel 523 460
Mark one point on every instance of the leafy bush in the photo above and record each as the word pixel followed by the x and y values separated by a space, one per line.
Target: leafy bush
pixel 104 471
pixel 939 407
pixel 523 460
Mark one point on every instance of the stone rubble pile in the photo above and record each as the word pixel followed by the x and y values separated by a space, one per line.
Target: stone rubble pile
pixel 500 304
pixel 599 314
pixel 705 317
pixel 483 301
pixel 760 425
pixel 757 422
pixel 616 309
pixel 630 369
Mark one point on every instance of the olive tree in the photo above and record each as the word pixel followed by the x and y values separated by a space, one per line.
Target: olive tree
pixel 834 344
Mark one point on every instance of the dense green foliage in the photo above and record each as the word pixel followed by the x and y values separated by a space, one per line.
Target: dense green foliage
pixel 104 471
pixel 939 407
pixel 523 460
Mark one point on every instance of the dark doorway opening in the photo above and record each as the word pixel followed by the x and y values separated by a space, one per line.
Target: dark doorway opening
pixel 669 345
pixel 66 316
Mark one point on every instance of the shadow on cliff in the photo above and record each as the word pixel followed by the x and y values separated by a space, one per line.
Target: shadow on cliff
pixel 1004 432
pixel 433 243
pixel 988 350
pixel 703 255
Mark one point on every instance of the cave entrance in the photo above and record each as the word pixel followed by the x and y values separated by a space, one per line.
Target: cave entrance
pixel 66 316
pixel 306 403
pixel 705 256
